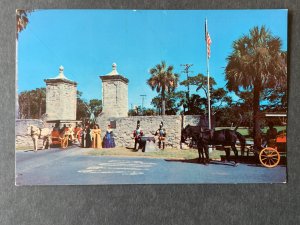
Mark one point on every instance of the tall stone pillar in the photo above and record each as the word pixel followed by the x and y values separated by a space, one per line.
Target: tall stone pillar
pixel 114 94
pixel 61 97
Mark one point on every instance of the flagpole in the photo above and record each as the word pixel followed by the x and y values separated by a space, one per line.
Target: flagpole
pixel 208 85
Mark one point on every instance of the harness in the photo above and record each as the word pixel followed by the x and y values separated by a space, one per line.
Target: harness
pixel 210 132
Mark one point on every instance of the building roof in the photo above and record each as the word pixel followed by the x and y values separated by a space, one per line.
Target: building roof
pixel 114 75
pixel 60 77
pixel 114 70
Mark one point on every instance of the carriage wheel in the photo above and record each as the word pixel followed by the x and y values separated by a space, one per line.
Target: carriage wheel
pixel 269 157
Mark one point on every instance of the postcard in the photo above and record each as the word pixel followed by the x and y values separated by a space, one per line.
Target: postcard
pixel 151 97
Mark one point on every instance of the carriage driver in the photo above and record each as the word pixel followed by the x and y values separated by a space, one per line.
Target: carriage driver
pixel 270 135
pixel 161 132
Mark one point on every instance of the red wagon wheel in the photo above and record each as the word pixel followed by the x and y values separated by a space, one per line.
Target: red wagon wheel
pixel 269 157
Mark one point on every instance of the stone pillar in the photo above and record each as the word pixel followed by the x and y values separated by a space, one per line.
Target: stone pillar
pixel 61 97
pixel 114 94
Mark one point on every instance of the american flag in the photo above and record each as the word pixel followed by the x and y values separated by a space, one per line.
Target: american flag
pixel 208 43
pixel 208 40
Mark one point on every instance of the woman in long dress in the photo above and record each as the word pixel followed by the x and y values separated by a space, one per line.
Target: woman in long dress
pixel 96 137
pixel 109 141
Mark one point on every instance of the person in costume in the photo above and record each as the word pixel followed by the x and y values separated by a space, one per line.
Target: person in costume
pixel 161 133
pixel 270 135
pixel 96 137
pixel 108 140
pixel 86 137
pixel 78 133
pixel 137 135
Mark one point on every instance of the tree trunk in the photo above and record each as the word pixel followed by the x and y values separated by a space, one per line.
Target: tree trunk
pixel 163 103
pixel 256 116
pixel 163 110
pixel 28 105
pixel 40 109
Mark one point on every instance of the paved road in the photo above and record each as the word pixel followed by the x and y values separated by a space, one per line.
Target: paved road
pixel 74 167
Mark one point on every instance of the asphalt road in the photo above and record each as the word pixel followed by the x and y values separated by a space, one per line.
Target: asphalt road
pixel 74 167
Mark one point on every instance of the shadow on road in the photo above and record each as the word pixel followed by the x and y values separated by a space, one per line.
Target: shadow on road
pixel 252 161
pixel 196 161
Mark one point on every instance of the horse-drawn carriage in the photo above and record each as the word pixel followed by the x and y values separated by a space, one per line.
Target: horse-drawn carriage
pixel 271 154
pixel 64 136
pixel 226 139
pixel 57 136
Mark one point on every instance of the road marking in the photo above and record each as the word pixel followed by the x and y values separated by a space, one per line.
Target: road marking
pixel 123 167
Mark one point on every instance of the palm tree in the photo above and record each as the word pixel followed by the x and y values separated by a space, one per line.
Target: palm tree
pixel 257 62
pixel 163 79
pixel 21 19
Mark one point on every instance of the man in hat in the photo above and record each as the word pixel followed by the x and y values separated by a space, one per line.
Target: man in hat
pixel 137 134
pixel 161 132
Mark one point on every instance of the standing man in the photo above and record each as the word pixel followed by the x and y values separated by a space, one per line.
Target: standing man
pixel 161 132
pixel 137 134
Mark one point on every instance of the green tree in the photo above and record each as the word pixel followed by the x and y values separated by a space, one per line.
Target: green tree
pixel 275 99
pixel 163 80
pixel 82 112
pixel 172 102
pixel 256 63
pixel 200 81
pixel 198 104
pixel 88 110
pixel 32 104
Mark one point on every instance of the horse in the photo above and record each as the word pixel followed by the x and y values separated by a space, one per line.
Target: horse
pixel 39 133
pixel 224 137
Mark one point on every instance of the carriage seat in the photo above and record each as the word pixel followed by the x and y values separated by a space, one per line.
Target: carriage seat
pixel 55 137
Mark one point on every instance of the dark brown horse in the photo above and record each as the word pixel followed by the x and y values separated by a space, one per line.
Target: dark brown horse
pixel 203 138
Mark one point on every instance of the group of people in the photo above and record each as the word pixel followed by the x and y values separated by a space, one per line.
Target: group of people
pixel 88 136
pixel 91 137
pixel 138 134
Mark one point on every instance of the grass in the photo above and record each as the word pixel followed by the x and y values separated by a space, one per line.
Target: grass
pixel 166 154
pixel 23 147
pixel 163 154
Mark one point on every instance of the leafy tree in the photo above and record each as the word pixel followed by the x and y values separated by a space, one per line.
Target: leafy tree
pixel 198 104
pixel 32 104
pixel 256 63
pixel 82 111
pixel 275 99
pixel 200 81
pixel 163 80
pixel 172 102
pixel 88 110
pixel 149 112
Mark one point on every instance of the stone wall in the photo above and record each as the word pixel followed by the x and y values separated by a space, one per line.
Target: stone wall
pixel 22 138
pixel 192 120
pixel 149 124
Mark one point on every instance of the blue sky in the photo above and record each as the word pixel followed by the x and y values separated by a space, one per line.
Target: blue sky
pixel 87 42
